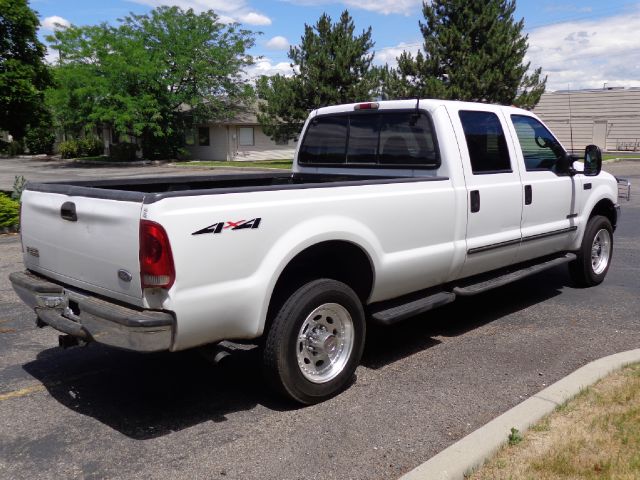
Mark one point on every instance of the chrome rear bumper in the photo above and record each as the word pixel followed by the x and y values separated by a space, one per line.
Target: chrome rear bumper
pixel 89 318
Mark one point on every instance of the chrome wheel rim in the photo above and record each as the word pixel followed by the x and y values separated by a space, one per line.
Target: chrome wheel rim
pixel 600 251
pixel 325 342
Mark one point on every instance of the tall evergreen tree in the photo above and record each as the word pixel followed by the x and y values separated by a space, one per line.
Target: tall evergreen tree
pixel 331 65
pixel 473 50
pixel 23 72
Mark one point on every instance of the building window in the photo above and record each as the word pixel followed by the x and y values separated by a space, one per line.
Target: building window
pixel 246 136
pixel 190 137
pixel 203 136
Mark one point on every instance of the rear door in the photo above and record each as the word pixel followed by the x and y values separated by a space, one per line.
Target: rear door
pixel 494 189
pixel 89 243
pixel 549 211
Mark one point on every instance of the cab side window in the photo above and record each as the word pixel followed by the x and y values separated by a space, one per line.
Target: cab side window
pixel 486 142
pixel 540 149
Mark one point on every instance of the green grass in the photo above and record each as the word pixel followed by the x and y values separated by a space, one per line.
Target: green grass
pixel 593 436
pixel 282 164
pixel 98 158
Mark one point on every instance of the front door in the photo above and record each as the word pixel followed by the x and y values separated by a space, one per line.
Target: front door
pixel 494 190
pixel 548 215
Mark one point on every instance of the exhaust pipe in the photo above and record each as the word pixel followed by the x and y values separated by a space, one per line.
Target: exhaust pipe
pixel 68 341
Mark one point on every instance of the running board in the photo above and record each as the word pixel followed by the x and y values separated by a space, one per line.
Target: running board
pixel 479 287
pixel 403 311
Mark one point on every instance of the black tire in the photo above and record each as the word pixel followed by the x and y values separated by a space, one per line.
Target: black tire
pixel 582 268
pixel 283 346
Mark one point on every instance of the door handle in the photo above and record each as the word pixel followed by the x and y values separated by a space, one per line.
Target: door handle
pixel 68 211
pixel 528 195
pixel 474 197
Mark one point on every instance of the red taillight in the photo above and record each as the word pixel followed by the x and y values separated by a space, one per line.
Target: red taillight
pixel 156 260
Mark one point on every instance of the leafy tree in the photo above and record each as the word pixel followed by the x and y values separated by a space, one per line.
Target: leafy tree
pixel 152 75
pixel 331 65
pixel 23 72
pixel 474 50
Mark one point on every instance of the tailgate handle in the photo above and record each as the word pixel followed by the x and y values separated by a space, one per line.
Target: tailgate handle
pixel 68 211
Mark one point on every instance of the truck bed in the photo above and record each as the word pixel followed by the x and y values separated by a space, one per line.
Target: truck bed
pixel 150 189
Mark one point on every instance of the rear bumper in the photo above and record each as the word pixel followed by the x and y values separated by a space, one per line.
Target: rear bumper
pixel 92 319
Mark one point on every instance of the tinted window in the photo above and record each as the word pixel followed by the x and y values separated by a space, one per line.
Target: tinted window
pixel 486 142
pixel 540 150
pixel 325 140
pixel 395 138
pixel 406 139
pixel 363 138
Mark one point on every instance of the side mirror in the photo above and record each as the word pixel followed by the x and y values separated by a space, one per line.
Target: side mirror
pixel 565 165
pixel 592 160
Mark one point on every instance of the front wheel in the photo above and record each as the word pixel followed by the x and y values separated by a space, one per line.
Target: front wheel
pixel 315 341
pixel 594 256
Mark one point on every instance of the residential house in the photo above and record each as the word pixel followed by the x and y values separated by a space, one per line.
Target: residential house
pixel 240 138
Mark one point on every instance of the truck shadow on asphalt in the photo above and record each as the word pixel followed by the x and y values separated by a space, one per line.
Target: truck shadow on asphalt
pixel 148 396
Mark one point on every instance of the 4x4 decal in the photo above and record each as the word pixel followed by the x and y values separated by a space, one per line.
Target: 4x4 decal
pixel 219 227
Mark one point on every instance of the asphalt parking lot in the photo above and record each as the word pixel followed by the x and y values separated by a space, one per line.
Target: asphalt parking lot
pixel 97 412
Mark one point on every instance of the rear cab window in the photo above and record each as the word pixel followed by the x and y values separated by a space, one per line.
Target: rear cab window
pixel 389 139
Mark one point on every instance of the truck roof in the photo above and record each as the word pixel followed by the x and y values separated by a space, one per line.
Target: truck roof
pixel 428 104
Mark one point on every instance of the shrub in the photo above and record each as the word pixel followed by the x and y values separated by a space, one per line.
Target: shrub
pixel 9 212
pixel 69 149
pixel 183 154
pixel 15 148
pixel 19 182
pixel 154 148
pixel 90 147
pixel 123 152
pixel 40 140
pixel 4 146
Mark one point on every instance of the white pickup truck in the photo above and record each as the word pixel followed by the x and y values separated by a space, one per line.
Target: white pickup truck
pixel 392 209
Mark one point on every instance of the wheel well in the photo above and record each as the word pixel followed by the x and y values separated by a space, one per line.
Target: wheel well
pixel 336 259
pixel 606 208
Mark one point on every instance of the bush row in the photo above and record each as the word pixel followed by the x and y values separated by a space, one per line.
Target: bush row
pixel 9 212
pixel 82 147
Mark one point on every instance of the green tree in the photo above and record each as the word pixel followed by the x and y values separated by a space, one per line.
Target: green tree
pixel 23 73
pixel 152 75
pixel 473 50
pixel 331 65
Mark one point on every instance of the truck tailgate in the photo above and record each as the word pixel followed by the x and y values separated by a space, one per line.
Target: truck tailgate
pixel 94 248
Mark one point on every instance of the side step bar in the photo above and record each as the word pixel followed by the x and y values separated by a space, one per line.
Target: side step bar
pixel 395 311
pixel 400 312
pixel 479 287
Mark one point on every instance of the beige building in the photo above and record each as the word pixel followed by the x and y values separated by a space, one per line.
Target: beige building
pixel 239 139
pixel 609 118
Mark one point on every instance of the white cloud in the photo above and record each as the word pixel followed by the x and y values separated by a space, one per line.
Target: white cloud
pixel 55 23
pixel 277 43
pixel 228 10
pixel 253 18
pixel 389 55
pixel 404 7
pixel 265 66
pixel 588 53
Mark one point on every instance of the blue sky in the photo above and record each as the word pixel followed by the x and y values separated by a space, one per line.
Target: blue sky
pixel 578 44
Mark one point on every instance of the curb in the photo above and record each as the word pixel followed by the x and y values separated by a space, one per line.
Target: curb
pixel 473 450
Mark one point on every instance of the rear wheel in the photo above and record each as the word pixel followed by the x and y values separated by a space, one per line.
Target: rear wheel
pixel 594 256
pixel 315 342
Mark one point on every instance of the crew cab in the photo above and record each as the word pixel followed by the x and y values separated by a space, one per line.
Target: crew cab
pixel 391 209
